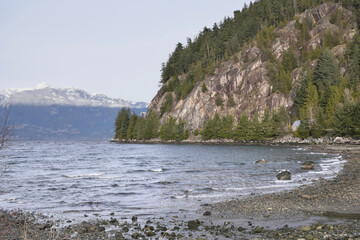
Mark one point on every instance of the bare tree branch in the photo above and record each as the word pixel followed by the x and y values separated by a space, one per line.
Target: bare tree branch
pixel 6 129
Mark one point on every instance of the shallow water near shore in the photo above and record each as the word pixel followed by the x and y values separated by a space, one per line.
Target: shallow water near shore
pixel 73 178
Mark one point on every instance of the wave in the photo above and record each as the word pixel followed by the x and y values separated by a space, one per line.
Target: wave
pixel 90 175
pixel 166 182
pixel 317 153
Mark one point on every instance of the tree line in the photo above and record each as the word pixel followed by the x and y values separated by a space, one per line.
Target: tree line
pixel 272 125
pixel 130 126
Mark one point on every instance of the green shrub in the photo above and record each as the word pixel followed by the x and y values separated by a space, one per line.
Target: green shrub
pixel 218 101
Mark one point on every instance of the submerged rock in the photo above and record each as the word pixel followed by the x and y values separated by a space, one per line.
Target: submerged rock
pixel 261 161
pixel 308 165
pixel 285 175
pixel 207 213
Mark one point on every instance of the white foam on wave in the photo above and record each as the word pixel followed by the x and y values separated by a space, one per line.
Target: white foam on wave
pixel 90 175
pixel 157 170
pixel 300 148
pixel 7 199
pixel 110 177
pixel 328 169
pixel 234 189
pixel 317 153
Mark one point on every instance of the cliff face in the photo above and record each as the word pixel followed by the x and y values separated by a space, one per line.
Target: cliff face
pixel 247 80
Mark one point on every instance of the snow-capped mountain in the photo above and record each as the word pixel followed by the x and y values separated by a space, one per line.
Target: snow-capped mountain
pixel 45 95
pixel 45 112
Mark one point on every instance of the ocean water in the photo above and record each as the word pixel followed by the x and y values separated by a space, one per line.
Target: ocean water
pixel 73 178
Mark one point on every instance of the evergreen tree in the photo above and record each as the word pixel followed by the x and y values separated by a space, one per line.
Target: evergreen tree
pixel 289 61
pixel 344 120
pixel 227 125
pixel 139 128
pixel 254 129
pixel 218 101
pixel 203 88
pixel 152 125
pixel 122 123
pixel 167 104
pixel 241 132
pixel 131 129
pixel 167 130
pixel 230 102
pixel 326 74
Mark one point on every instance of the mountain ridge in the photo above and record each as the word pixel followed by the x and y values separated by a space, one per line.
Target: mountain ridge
pixel 45 95
pixel 44 112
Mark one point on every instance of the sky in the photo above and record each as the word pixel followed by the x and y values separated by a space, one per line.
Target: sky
pixel 113 47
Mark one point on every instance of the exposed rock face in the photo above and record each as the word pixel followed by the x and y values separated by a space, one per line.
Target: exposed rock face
pixel 247 80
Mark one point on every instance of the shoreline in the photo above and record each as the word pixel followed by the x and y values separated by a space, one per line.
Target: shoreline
pixel 286 140
pixel 328 209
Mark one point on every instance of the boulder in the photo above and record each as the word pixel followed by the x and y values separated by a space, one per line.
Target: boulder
pixel 341 140
pixel 284 175
pixel 261 161
pixel 305 228
pixel 193 225
pixel 308 165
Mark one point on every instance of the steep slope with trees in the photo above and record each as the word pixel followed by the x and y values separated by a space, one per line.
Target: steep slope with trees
pixel 252 75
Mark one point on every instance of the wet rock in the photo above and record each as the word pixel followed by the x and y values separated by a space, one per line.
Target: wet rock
pixel 193 224
pixel 134 219
pixel 207 213
pixel 113 221
pixel 119 236
pixel 100 229
pixel 161 228
pixel 285 175
pixel 44 226
pixel 305 228
pixel 82 230
pixel 308 165
pixel 172 236
pixel 241 229
pixel 74 235
pixel 135 235
pixel 261 161
pixel 258 229
pixel 308 197
pixel 150 234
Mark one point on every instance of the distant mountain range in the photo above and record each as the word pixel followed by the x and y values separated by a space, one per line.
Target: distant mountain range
pixel 45 95
pixel 45 112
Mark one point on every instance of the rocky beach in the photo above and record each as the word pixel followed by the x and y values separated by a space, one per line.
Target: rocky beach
pixel 325 209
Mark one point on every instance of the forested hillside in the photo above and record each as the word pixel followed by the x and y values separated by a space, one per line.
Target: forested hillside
pixel 252 75
pixel 215 45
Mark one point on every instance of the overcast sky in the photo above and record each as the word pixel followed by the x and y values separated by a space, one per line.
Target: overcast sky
pixel 114 47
